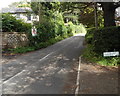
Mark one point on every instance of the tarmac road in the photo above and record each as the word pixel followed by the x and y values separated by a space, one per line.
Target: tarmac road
pixel 52 70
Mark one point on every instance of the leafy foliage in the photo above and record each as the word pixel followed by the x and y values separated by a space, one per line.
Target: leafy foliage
pixel 11 24
pixel 51 24
pixel 91 56
pixel 43 9
pixel 38 46
pixel 104 39
pixel 51 27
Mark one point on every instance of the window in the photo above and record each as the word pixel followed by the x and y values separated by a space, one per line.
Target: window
pixel 34 17
pixel 18 16
pixel 28 17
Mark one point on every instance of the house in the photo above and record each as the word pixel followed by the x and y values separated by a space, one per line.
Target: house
pixel 117 16
pixel 24 13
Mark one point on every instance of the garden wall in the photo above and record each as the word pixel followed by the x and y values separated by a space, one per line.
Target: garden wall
pixel 14 39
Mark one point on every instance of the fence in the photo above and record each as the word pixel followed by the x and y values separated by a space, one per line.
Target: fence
pixel 14 39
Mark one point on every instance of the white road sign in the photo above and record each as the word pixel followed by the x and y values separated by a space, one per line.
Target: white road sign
pixel 107 54
pixel 34 31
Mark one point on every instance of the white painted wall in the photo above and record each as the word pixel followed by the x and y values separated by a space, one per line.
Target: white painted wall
pixel 25 18
pixel 118 11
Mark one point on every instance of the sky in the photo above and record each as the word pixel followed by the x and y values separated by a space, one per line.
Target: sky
pixel 5 3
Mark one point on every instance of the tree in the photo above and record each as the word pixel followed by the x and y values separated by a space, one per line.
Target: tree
pixel 85 12
pixel 24 3
pixel 107 7
pixel 44 8
pixel 109 12
pixel 11 24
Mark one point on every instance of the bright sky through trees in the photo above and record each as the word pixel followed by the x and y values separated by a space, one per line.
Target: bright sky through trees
pixel 5 3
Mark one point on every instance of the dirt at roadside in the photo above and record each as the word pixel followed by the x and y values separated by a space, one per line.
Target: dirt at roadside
pixel 6 57
pixel 96 79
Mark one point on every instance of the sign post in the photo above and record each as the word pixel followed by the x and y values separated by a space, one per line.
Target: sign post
pixel 34 31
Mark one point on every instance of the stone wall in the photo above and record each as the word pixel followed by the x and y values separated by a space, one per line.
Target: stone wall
pixel 14 39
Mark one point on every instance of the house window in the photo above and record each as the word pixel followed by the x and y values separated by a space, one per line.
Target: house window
pixel 28 17
pixel 18 16
pixel 34 17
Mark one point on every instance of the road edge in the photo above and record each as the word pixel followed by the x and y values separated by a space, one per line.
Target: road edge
pixel 78 79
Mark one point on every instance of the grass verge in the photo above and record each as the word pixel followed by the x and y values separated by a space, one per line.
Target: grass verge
pixel 33 48
pixel 91 56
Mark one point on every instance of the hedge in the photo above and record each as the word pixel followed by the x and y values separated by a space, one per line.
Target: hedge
pixel 104 39
pixel 11 24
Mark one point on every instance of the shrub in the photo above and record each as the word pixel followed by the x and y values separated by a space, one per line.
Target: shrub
pixel 75 29
pixel 89 35
pixel 104 39
pixel 45 31
pixel 107 39
pixel 71 29
pixel 60 28
pixel 50 27
pixel 11 24
pixel 80 28
pixel 92 56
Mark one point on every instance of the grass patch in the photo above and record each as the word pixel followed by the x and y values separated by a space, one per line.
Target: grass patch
pixel 100 40
pixel 91 56
pixel 22 49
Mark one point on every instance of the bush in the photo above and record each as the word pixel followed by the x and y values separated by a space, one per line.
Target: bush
pixel 93 57
pixel 75 29
pixel 80 29
pixel 107 39
pixel 11 24
pixel 50 27
pixel 36 47
pixel 71 29
pixel 60 28
pixel 104 39
pixel 89 35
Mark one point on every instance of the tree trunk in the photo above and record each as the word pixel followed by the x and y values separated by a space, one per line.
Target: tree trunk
pixel 95 14
pixel 39 13
pixel 109 14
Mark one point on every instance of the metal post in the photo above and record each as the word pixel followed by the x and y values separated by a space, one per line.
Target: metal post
pixel 95 14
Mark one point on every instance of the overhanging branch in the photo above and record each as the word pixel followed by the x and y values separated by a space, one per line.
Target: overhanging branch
pixel 117 4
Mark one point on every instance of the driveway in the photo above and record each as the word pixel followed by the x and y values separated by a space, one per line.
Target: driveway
pixel 52 70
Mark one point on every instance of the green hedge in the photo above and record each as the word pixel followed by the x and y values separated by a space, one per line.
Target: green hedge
pixel 50 27
pixel 89 35
pixel 36 47
pixel 104 39
pixel 11 24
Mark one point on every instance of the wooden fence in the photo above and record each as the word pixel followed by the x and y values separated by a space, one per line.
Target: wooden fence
pixel 14 39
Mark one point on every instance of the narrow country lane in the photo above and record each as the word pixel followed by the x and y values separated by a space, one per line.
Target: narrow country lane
pixel 52 70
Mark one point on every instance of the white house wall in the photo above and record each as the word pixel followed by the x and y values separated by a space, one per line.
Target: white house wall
pixel 34 19
pixel 25 18
pixel 118 11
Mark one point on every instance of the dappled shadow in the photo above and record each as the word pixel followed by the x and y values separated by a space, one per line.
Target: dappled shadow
pixel 52 72
pixel 95 79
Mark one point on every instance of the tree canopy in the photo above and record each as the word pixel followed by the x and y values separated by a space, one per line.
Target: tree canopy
pixel 82 12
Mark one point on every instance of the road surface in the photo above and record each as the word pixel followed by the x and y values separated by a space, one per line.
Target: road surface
pixel 58 69
pixel 52 70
